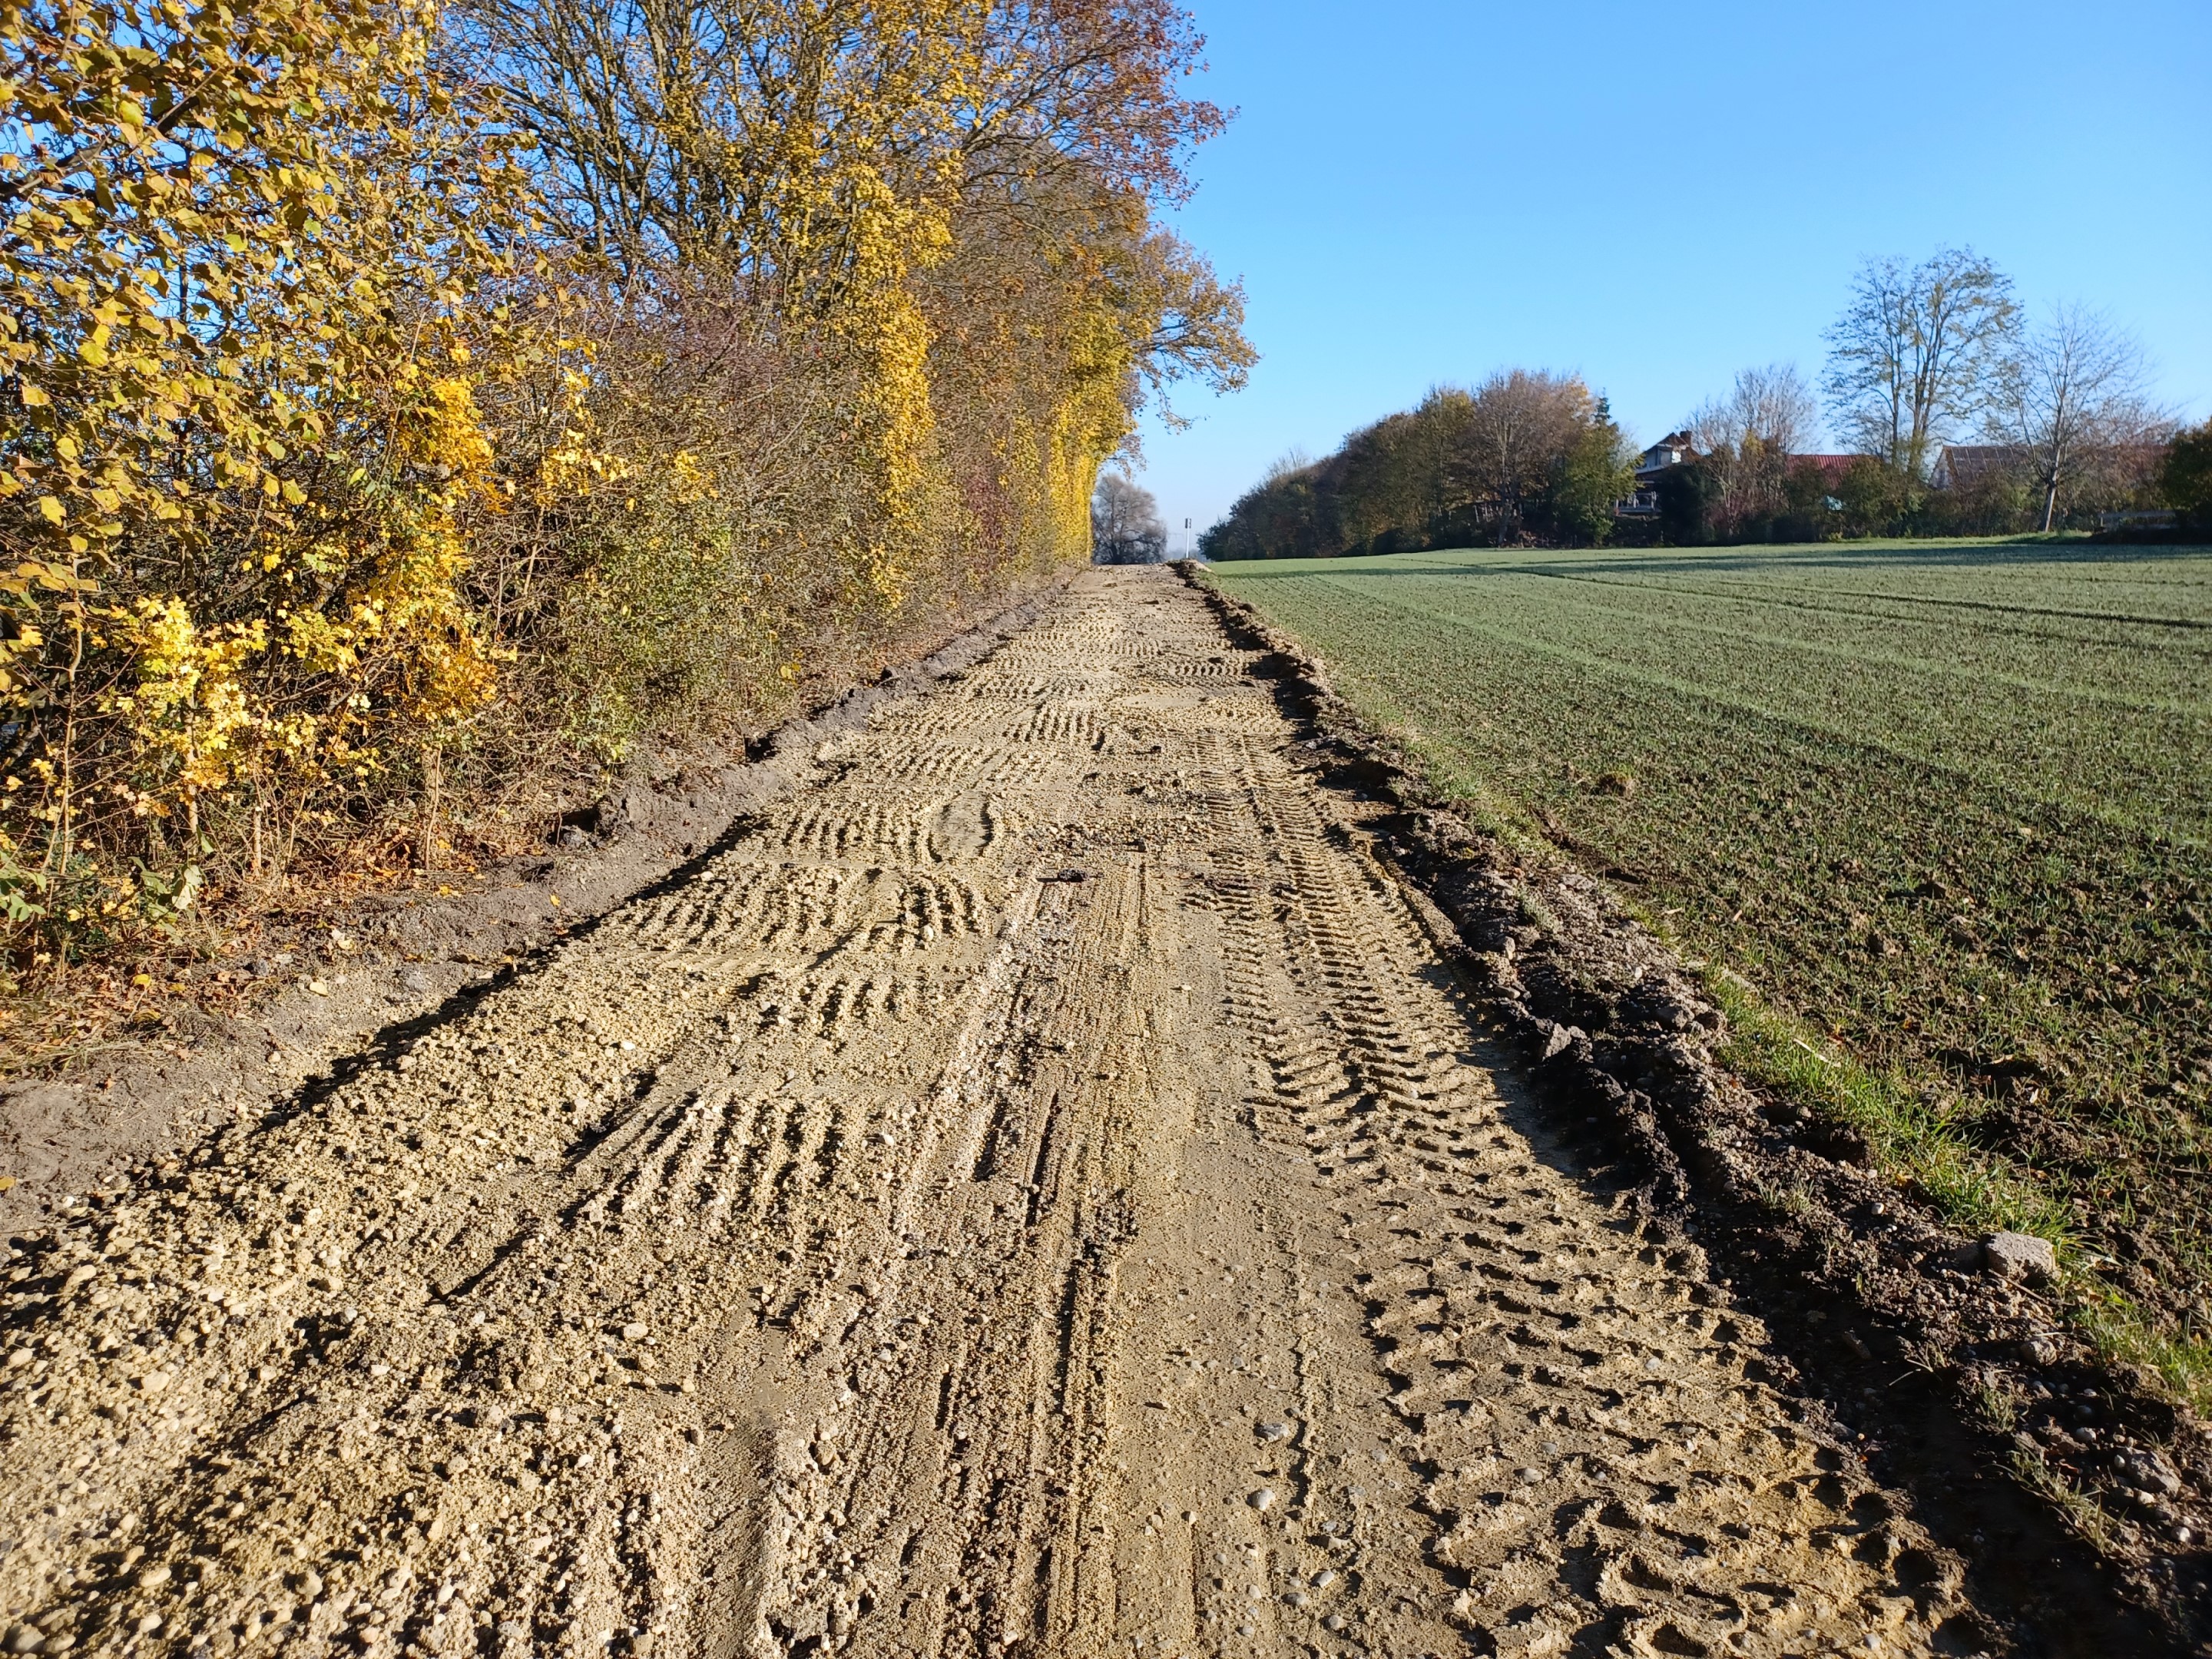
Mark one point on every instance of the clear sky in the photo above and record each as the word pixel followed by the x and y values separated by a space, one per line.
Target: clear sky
pixel 1657 196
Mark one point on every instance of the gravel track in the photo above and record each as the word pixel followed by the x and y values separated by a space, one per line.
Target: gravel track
pixel 1036 1191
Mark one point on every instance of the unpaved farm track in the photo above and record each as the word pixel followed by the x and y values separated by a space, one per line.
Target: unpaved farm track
pixel 1035 1192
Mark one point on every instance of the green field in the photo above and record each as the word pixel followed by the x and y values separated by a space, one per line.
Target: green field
pixel 1949 804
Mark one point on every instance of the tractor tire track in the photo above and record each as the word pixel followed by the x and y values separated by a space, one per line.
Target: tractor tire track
pixel 1037 1192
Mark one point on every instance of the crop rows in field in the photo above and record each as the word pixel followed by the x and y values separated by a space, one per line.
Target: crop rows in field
pixel 1948 803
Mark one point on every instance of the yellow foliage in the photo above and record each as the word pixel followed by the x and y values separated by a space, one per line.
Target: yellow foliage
pixel 692 484
pixel 186 699
pixel 444 432
pixel 318 459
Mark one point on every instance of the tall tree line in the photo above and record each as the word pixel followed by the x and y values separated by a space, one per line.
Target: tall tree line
pixel 400 401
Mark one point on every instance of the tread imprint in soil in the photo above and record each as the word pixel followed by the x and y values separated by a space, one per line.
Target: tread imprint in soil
pixel 1036 1192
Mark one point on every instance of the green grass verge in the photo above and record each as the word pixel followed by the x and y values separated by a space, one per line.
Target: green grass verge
pixel 1916 1139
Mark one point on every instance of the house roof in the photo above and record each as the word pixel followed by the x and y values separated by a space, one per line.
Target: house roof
pixel 1970 464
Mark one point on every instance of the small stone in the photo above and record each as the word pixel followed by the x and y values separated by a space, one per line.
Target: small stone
pixel 1333 1622
pixel 154 1577
pixel 154 1382
pixel 1271 1430
pixel 19 1358
pixel 414 979
pixel 1263 1499
pixel 2147 1471
pixel 2018 1256
pixel 22 1638
pixel 632 1332
pixel 60 1642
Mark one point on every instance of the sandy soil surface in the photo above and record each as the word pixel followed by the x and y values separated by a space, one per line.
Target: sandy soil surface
pixel 1035 1190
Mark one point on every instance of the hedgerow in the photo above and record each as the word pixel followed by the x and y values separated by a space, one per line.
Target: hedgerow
pixel 386 417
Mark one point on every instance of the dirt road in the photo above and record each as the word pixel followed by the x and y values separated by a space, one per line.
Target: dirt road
pixel 1036 1192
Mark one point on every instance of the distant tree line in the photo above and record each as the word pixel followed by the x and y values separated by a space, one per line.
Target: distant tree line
pixel 1525 454
pixel 1963 416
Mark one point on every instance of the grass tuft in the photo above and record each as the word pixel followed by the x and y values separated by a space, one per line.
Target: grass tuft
pixel 2082 1512
pixel 1916 1139
pixel 1913 1137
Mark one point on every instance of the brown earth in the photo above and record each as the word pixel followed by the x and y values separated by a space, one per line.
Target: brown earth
pixel 318 974
pixel 1037 1187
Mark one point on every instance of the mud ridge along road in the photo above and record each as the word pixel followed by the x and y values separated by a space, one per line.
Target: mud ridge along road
pixel 1037 1190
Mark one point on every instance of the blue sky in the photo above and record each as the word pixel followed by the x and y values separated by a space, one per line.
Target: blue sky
pixel 1658 195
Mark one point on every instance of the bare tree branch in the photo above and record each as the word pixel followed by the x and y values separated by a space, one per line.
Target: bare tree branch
pixel 2071 397
pixel 1913 355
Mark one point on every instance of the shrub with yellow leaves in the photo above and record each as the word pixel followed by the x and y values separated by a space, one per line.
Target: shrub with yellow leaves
pixel 396 404
pixel 238 438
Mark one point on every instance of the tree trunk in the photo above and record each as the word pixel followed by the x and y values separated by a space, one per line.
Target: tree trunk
pixel 434 779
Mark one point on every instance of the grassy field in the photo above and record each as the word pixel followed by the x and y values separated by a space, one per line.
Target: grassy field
pixel 1948 805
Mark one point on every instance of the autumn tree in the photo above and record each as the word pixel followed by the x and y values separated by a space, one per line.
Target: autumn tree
pixel 1915 355
pixel 1288 514
pixel 249 291
pixel 400 404
pixel 1388 481
pixel 1597 472
pixel 1061 312
pixel 824 154
pixel 1519 429
pixel 1525 453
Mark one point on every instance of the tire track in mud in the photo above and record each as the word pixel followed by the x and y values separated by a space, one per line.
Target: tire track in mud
pixel 1035 1192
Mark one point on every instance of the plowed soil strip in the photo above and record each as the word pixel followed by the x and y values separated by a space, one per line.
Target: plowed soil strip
pixel 1036 1192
